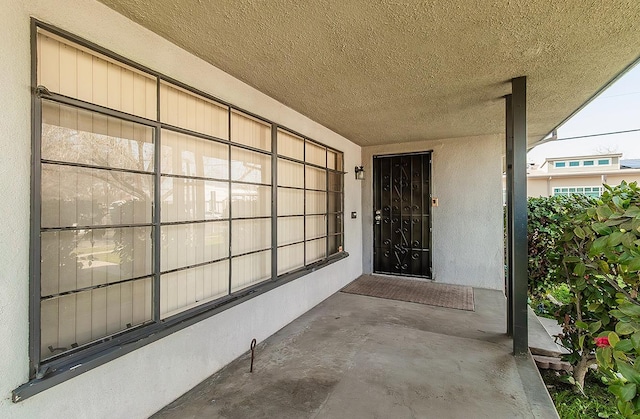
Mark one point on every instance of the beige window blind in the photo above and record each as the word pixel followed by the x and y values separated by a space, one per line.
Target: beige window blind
pixel 181 108
pixel 250 131
pixel 77 72
pixel 290 145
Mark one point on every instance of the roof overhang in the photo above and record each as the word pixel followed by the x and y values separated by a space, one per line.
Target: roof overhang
pixel 387 71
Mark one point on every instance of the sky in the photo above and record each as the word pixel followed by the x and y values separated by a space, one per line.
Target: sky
pixel 616 109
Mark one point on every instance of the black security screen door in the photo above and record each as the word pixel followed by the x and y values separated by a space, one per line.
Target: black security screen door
pixel 402 214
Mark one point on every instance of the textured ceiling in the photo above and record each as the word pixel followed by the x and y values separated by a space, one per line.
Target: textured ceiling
pixel 384 71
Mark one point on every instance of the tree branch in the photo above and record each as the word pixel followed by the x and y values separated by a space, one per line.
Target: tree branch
pixel 621 290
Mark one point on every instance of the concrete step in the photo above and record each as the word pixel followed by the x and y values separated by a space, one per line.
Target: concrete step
pixel 541 340
pixel 552 363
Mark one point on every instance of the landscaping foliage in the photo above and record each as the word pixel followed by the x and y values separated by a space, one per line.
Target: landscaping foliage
pixel 596 254
pixel 614 255
pixel 549 218
pixel 596 402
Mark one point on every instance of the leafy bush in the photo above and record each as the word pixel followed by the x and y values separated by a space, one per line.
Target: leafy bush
pixel 602 262
pixel 617 354
pixel 552 244
pixel 594 248
pixel 549 218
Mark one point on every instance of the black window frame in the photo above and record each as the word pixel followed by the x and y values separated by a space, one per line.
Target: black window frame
pixel 43 375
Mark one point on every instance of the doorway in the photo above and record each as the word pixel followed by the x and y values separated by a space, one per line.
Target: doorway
pixel 402 214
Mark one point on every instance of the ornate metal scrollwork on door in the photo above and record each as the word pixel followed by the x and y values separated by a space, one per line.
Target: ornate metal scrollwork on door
pixel 402 199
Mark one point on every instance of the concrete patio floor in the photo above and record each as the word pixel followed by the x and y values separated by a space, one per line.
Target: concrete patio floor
pixel 355 356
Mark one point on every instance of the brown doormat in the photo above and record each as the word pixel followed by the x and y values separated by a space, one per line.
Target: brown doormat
pixel 411 290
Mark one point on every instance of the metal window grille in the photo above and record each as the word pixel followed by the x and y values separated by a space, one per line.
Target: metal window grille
pixel 153 201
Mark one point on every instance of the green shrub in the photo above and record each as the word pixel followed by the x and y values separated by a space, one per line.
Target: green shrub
pixel 602 259
pixel 549 218
pixel 592 248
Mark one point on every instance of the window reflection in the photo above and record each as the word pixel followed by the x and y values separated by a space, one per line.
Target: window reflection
pixel 84 137
pixel 193 199
pixel 192 156
pixel 249 166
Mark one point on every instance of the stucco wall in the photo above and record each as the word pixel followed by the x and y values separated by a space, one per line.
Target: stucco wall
pixel 618 178
pixel 467 238
pixel 141 382
pixel 537 187
pixel 543 186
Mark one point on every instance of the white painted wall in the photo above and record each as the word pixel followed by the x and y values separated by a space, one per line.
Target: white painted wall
pixel 141 382
pixel 467 238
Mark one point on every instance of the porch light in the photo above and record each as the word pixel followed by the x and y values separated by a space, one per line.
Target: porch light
pixel 359 171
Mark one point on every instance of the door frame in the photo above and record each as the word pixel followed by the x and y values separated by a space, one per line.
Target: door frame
pixel 373 210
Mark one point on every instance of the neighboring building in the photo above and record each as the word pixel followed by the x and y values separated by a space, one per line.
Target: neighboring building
pixel 580 175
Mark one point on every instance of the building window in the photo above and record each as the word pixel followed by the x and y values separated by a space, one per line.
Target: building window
pixel 309 201
pixel 156 202
pixel 96 223
pixel 559 164
pixel 587 163
pixel 574 163
pixel 604 162
pixel 593 191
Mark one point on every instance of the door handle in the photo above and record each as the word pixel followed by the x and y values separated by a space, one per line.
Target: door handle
pixel 378 217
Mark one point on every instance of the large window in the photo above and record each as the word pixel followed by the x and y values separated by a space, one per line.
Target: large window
pixel 593 191
pixel 154 203
pixel 309 201
pixel 582 163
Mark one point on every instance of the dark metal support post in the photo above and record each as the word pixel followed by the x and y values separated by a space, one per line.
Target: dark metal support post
pixel 509 212
pixel 518 205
